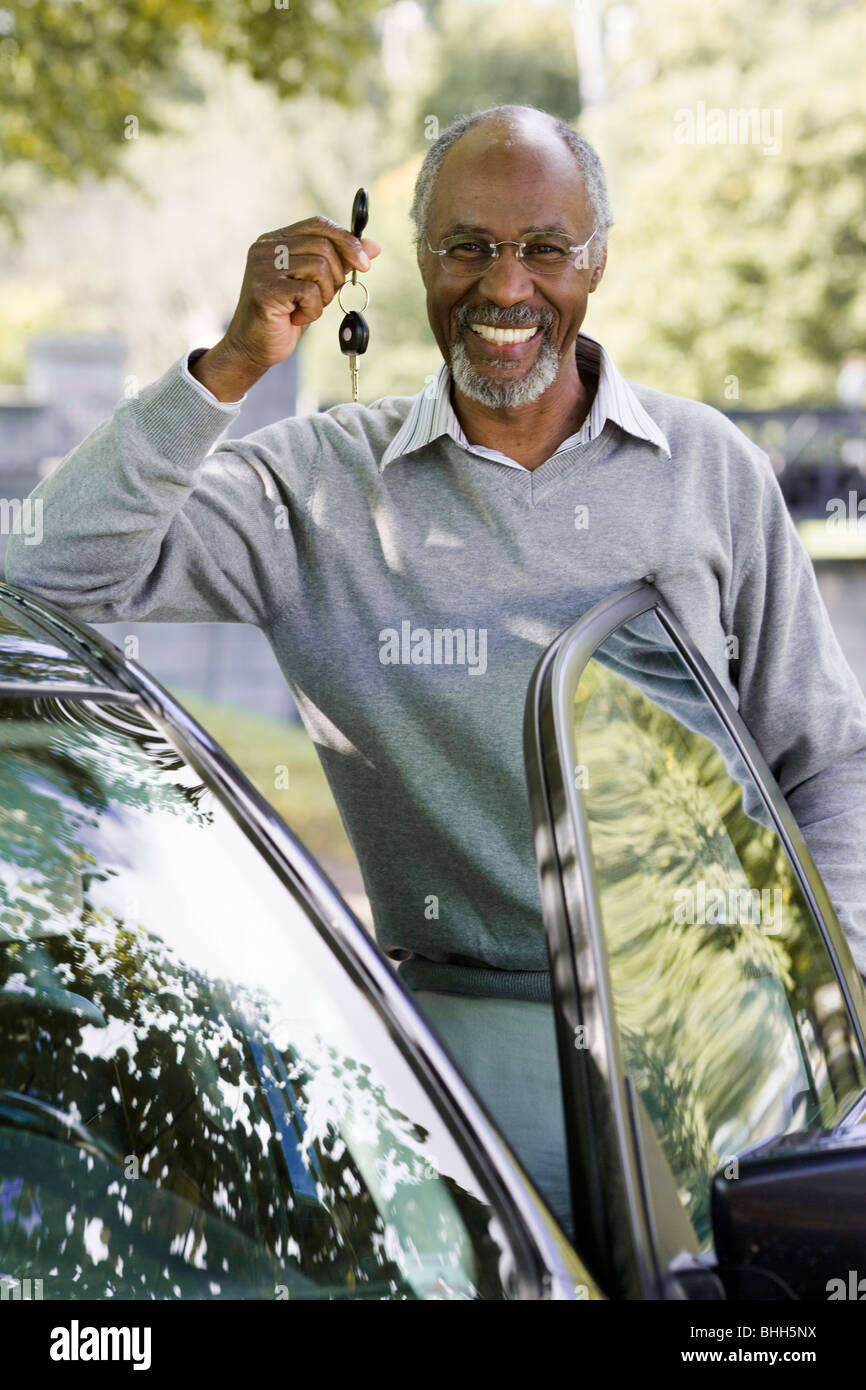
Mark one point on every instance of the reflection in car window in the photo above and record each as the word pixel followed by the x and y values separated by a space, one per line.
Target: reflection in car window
pixel 28 656
pixel 196 1099
pixel 732 1022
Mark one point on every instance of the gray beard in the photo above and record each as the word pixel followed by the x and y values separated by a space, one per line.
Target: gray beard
pixel 498 394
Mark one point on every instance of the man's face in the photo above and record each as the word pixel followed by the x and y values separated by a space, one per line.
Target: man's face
pixel 503 184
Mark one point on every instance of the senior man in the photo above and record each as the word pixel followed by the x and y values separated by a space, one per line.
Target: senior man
pixel 454 509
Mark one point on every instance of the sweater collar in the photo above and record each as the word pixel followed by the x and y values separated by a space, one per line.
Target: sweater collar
pixel 431 414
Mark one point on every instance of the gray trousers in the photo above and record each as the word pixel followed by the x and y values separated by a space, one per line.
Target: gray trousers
pixel 507 1051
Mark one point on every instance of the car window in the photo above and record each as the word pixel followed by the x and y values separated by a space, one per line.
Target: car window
pixel 197 1100
pixel 732 1023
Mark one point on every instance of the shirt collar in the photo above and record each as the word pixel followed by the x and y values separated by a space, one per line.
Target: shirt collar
pixel 431 414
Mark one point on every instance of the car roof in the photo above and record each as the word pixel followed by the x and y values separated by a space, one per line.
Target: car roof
pixel 34 650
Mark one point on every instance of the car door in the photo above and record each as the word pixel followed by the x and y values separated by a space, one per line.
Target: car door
pixel 710 1017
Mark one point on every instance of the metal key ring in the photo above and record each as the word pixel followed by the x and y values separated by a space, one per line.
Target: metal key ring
pixel 361 286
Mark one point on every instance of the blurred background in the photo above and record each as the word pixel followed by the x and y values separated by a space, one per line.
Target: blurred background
pixel 144 145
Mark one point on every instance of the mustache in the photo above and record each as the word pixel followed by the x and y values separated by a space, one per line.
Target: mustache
pixel 495 316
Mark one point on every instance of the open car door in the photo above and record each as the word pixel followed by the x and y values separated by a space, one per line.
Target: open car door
pixel 710 1018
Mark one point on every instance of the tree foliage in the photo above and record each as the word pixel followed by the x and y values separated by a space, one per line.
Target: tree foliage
pixel 77 81
pixel 735 269
pixel 487 54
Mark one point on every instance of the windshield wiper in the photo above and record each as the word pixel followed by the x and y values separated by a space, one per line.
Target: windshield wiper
pixel 27 1112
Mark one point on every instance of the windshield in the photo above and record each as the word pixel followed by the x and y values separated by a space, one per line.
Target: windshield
pixel 195 1098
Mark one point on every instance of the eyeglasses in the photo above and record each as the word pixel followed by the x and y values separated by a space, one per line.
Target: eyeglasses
pixel 464 254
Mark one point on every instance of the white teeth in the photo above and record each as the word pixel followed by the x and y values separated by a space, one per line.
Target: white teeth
pixel 504 335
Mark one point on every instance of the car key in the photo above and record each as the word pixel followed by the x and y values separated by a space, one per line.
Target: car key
pixel 354 330
pixel 360 213
pixel 354 337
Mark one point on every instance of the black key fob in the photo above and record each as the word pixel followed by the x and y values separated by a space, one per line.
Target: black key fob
pixel 360 212
pixel 354 334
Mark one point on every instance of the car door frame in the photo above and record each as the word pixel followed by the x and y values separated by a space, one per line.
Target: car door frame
pixel 603 1128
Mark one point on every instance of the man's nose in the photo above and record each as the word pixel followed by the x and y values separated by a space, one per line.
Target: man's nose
pixel 507 281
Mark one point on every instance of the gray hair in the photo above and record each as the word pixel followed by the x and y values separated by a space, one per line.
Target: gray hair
pixel 585 155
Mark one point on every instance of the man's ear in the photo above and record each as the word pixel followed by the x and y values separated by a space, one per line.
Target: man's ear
pixel 595 278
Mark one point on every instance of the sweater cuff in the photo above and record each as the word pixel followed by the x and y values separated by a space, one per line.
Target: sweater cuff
pixel 179 416
pixel 187 362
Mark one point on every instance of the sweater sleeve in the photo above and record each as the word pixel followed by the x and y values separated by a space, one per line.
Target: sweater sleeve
pixel 802 702
pixel 139 522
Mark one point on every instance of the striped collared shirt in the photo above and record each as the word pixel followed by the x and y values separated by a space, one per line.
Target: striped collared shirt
pixel 432 414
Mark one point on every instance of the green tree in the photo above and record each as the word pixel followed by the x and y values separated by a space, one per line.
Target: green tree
pixel 487 53
pixel 735 269
pixel 78 82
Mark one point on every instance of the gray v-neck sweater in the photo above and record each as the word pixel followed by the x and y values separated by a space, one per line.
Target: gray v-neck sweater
pixel 365 581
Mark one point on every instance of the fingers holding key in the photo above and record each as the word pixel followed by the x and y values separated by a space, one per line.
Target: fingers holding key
pixel 291 275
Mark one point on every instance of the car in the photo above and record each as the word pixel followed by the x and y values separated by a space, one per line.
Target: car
pixel 213 1084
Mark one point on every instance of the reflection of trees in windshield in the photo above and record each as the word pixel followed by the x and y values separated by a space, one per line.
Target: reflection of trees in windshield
pixel 63 763
pixel 163 1132
pixel 183 1074
pixel 715 1017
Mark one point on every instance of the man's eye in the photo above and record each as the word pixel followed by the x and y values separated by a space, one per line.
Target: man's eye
pixel 545 250
pixel 468 250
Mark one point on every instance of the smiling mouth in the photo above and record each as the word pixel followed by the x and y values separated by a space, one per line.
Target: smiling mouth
pixel 502 336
